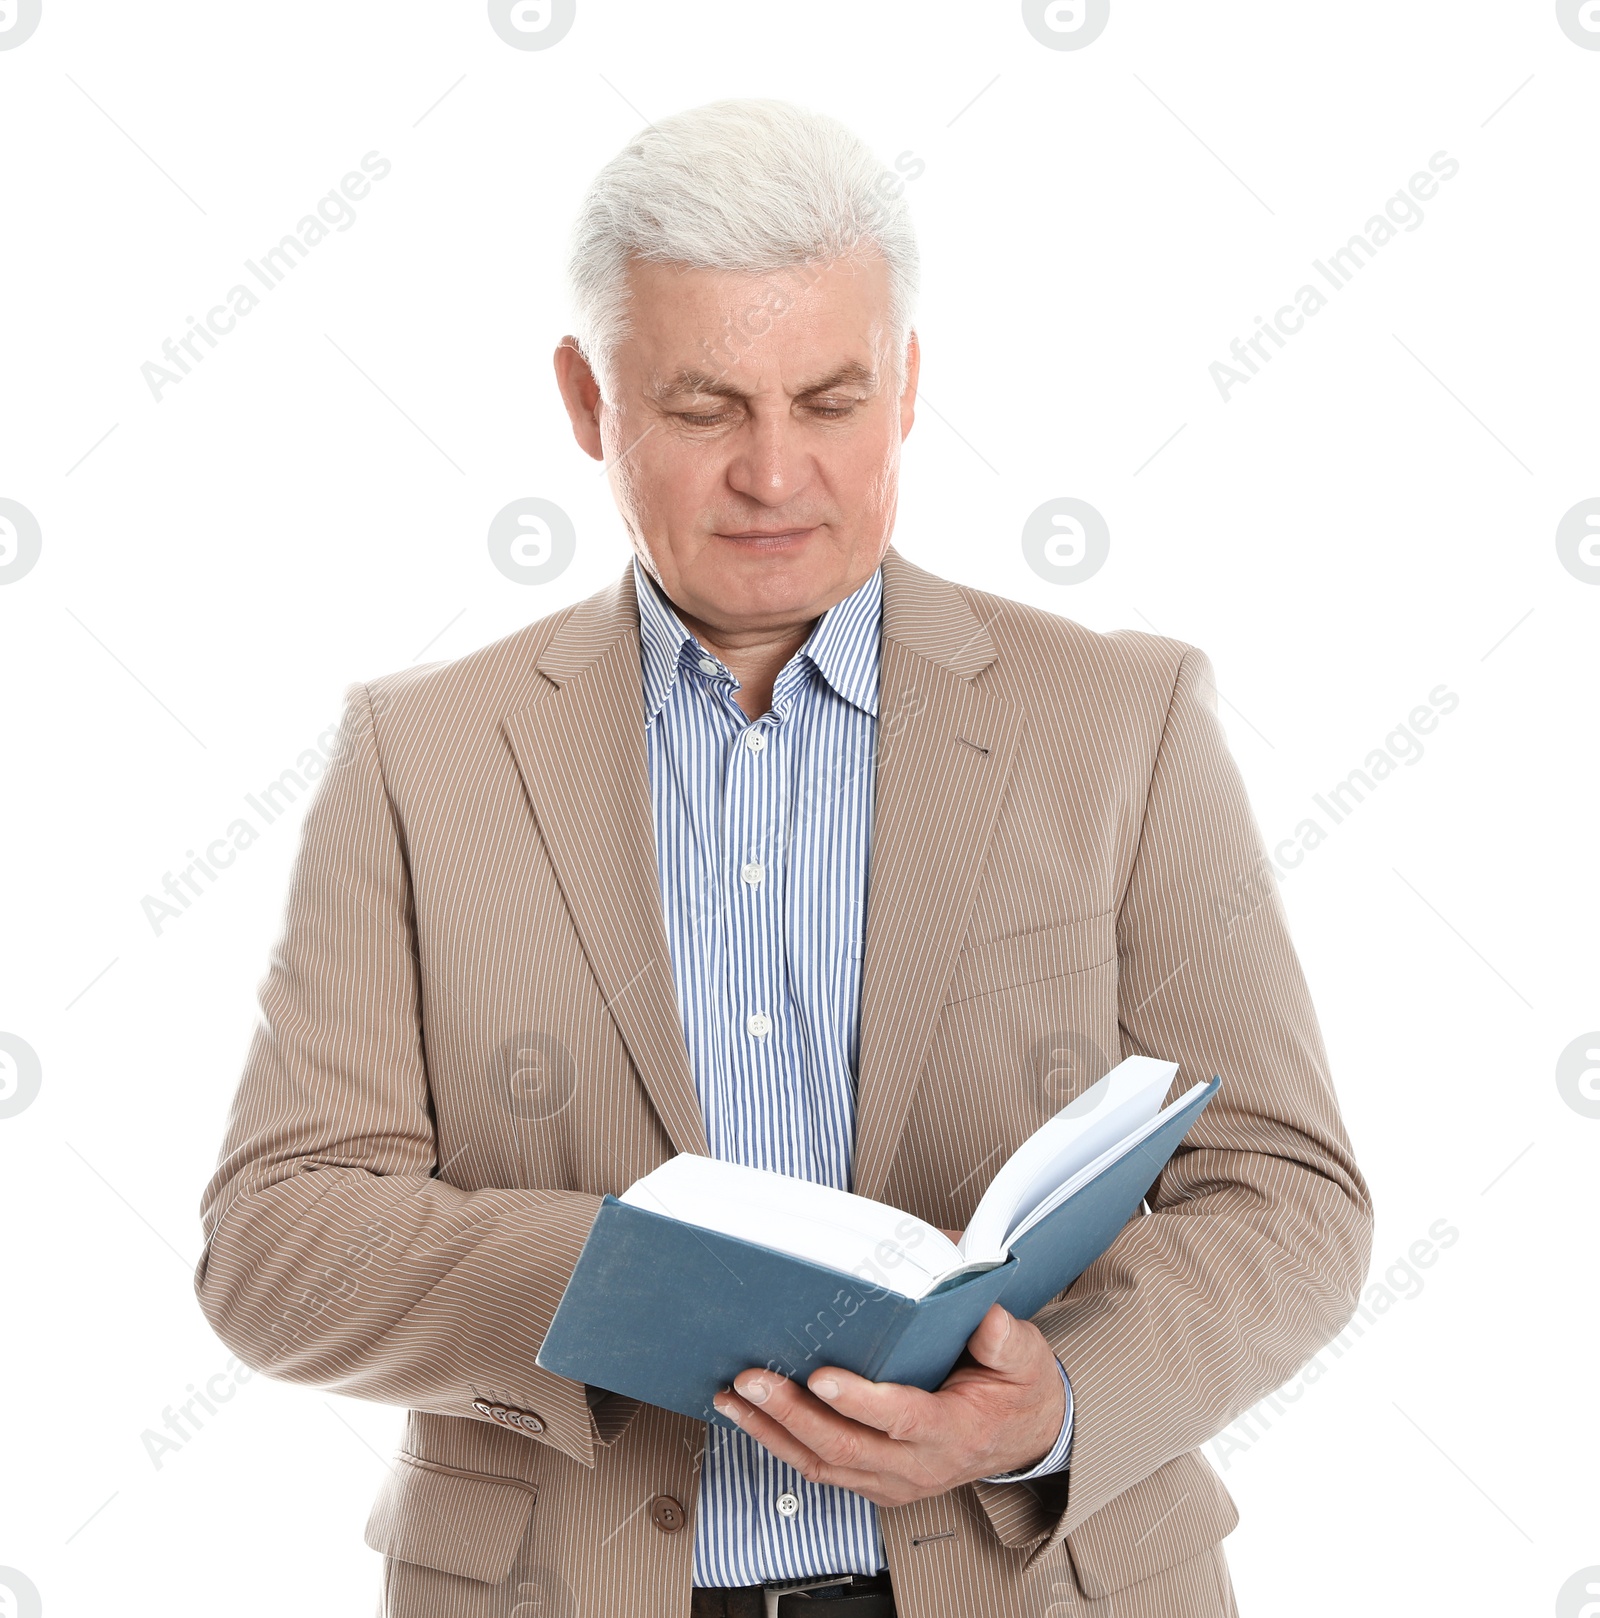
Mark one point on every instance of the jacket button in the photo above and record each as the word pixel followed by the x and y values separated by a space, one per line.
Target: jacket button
pixel 529 1422
pixel 666 1514
pixel 481 1406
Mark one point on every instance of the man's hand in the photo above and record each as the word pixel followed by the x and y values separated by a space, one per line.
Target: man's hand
pixel 894 1444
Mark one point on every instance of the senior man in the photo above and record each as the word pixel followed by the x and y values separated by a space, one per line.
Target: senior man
pixel 785 850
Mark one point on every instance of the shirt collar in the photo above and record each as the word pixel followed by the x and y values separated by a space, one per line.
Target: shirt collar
pixel 843 645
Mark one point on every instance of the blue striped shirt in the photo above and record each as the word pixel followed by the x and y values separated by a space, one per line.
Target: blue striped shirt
pixel 762 838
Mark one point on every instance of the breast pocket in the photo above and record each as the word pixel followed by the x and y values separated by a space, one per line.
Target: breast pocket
pixel 1057 951
pixel 1027 1024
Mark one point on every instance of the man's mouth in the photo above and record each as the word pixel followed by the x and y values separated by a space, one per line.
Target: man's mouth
pixel 768 538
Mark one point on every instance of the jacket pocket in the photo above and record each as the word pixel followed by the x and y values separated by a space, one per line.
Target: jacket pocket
pixel 1173 1514
pixel 467 1523
pixel 1048 952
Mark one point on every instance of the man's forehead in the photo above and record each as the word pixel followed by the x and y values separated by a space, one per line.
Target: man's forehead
pixel 738 382
pixel 802 328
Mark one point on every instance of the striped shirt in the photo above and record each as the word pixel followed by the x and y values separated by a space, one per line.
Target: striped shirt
pixel 762 835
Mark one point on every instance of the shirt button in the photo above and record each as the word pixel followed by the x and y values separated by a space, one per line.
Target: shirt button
pixel 788 1506
pixel 758 1022
pixel 707 666
pixel 752 872
pixel 755 740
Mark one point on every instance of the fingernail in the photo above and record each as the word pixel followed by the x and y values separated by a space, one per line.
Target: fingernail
pixel 755 1392
pixel 1007 1332
pixel 825 1388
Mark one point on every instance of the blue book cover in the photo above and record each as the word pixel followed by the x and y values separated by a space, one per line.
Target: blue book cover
pixel 668 1312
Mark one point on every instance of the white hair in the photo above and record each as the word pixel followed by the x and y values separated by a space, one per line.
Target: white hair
pixel 752 185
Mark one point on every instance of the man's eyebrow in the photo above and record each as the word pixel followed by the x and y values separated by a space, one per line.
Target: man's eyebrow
pixel 689 380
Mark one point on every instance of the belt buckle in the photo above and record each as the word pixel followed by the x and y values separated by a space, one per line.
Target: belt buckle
pixel 773 1593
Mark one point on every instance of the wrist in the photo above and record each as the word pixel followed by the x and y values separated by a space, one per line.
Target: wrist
pixel 1051 1420
pixel 1054 1448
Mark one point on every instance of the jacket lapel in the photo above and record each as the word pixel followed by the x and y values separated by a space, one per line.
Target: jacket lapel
pixel 945 752
pixel 580 748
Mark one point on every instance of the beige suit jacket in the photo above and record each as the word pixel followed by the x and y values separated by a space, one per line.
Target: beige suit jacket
pixel 469 1034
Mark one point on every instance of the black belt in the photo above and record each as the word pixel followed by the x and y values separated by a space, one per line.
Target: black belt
pixel 845 1595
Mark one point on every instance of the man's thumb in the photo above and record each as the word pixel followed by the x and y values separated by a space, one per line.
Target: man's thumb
pixel 996 1343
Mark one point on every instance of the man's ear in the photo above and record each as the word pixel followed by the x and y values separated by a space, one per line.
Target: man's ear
pixel 908 394
pixel 580 392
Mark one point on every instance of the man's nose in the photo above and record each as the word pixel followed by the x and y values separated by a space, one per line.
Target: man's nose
pixel 770 463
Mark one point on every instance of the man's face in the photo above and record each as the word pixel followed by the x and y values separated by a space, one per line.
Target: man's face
pixel 753 440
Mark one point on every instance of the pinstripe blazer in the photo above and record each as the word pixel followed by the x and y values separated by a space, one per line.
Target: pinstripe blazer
pixel 469 1034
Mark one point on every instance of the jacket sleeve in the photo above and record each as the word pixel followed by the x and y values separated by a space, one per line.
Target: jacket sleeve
pixel 337 1252
pixel 1259 1232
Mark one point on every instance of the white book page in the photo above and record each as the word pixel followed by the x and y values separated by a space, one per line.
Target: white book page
pixel 1100 1164
pixel 1126 1097
pixel 880 1245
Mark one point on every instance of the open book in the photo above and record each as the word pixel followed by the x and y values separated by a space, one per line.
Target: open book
pixel 878 1243
pixel 704 1268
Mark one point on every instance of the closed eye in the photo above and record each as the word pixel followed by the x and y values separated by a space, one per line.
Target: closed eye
pixel 827 412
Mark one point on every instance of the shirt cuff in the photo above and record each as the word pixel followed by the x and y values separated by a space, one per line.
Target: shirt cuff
pixel 1061 1451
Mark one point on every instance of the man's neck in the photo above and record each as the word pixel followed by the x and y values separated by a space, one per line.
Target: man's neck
pixel 756 663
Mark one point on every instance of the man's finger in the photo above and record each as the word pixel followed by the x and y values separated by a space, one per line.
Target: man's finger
pixel 832 1436
pixel 772 1435
pixel 891 1408
pixel 1001 1345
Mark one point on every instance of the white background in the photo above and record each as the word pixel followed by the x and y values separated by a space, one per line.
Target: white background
pixel 1372 516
